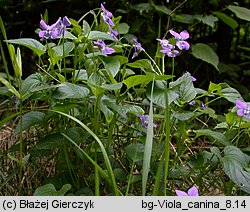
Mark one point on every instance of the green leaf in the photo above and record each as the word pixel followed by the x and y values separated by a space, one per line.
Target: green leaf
pixel 144 79
pixel 240 12
pixel 205 53
pixel 184 115
pixel 30 43
pixel 229 93
pixel 217 136
pixel 159 97
pixel 69 90
pixel 122 28
pixel 207 19
pixel 135 151
pixel 57 51
pixel 96 35
pixel 9 86
pixel 148 145
pixel 235 163
pixel 184 87
pixel 30 119
pixel 51 141
pixel 143 63
pixel 162 9
pixel 50 190
pixel 112 65
pixel 227 19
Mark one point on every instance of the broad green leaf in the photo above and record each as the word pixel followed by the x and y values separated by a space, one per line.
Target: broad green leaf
pixel 235 163
pixel 29 120
pixel 207 19
pixel 206 53
pixel 143 63
pixel 97 35
pixel 51 141
pixel 184 115
pixel 69 90
pixel 80 75
pixel 86 28
pixel 184 88
pixel 30 43
pixel 112 65
pixel 122 28
pixel 159 97
pixel 240 12
pixel 227 19
pixel 229 93
pixel 59 51
pixel 162 9
pixel 144 79
pixel 213 88
pixel 217 136
pixel 135 151
pixel 107 113
pixel 111 87
pixel 50 190
pixel 9 86
pixel 31 81
pixel 141 7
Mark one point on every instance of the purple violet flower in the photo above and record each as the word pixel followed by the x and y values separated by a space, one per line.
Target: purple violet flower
pixel 193 79
pixel 48 31
pixel 193 102
pixel 180 38
pixel 107 16
pixel 113 33
pixel 137 47
pixel 105 50
pixel 164 43
pixel 243 109
pixel 203 106
pixel 145 120
pixel 191 192
pixel 170 51
pixel 62 24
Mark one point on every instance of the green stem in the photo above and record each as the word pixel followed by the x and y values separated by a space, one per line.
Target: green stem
pixel 20 140
pixel 158 69
pixel 238 134
pixel 167 142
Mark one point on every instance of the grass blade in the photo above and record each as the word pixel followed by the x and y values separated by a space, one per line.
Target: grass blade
pixel 148 147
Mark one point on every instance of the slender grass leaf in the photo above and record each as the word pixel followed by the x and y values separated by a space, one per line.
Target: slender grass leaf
pixel 105 156
pixel 148 146
pixel 30 43
pixel 206 53
pixel 240 12
pixel 9 86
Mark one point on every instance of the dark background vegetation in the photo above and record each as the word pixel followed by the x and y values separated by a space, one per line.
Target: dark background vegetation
pixel 22 18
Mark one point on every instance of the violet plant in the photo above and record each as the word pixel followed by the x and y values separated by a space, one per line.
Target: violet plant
pixel 127 116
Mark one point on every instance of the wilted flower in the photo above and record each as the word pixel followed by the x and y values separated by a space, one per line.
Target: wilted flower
pixel 107 16
pixel 180 38
pixel 243 109
pixel 105 49
pixel 48 31
pixel 191 192
pixel 145 120
pixel 113 33
pixel 137 47
pixel 62 24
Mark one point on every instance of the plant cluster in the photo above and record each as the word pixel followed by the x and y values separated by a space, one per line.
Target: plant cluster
pixel 100 116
